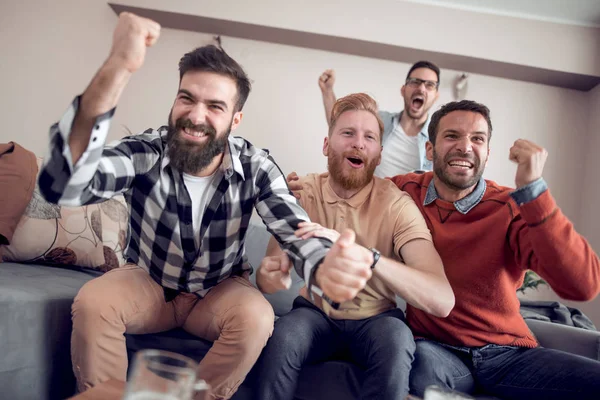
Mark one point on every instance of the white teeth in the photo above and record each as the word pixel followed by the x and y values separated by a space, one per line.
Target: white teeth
pixel 193 133
pixel 460 164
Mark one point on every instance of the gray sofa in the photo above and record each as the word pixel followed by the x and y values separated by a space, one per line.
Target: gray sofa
pixel 35 330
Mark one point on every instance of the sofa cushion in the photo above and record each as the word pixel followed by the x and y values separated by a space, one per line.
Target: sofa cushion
pixel 18 170
pixel 35 327
pixel 52 234
pixel 92 236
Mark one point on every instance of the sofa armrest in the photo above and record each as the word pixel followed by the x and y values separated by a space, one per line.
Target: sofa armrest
pixel 566 338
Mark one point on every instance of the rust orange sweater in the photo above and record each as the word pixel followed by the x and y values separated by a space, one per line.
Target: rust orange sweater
pixel 485 254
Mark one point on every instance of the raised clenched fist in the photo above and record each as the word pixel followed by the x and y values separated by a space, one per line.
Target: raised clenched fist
pixel 131 37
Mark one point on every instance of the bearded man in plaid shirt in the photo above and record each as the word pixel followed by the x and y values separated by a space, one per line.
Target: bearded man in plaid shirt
pixel 191 189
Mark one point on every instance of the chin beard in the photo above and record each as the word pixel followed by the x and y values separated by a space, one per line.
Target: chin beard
pixel 439 166
pixel 356 179
pixel 188 156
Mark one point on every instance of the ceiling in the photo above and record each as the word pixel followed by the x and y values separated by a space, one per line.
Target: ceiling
pixel 574 12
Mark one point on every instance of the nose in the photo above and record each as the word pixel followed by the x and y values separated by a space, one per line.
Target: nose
pixel 198 114
pixel 359 142
pixel 465 145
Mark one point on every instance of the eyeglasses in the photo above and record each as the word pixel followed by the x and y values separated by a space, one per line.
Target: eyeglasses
pixel 416 82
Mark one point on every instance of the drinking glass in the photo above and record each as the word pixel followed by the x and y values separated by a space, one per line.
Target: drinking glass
pixel 162 375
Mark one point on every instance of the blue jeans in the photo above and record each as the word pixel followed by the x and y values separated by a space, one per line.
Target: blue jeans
pixel 383 345
pixel 504 371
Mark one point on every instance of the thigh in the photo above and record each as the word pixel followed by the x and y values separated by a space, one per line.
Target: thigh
pixel 382 337
pixel 233 304
pixel 125 295
pixel 539 373
pixel 435 364
pixel 307 334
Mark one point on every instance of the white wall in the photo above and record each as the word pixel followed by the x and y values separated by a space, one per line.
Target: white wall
pixel 495 37
pixel 590 217
pixel 50 55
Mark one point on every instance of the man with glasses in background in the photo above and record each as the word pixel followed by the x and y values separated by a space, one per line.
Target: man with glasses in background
pixel 405 132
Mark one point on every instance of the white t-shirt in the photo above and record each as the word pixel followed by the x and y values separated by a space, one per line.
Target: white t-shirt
pixel 400 154
pixel 201 192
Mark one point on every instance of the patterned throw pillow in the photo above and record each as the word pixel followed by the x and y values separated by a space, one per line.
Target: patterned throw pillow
pixel 114 217
pixel 52 234
pixel 92 236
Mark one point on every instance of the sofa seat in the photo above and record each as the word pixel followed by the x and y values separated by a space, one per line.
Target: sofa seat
pixel 35 330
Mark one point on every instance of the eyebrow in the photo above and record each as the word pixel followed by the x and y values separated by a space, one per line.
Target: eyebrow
pixel 472 133
pixel 209 101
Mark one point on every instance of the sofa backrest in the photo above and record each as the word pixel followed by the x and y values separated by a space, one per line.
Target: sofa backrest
pixel 257 239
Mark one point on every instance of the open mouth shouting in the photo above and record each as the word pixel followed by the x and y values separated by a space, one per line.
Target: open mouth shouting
pixel 355 161
pixel 417 102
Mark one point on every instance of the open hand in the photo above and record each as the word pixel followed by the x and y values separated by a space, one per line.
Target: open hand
pixel 312 229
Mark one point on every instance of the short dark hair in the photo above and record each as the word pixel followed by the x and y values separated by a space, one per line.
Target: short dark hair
pixel 214 59
pixel 463 105
pixel 425 64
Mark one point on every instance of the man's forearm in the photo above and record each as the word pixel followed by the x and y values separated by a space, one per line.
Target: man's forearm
pixel 328 102
pixel 422 289
pixel 101 96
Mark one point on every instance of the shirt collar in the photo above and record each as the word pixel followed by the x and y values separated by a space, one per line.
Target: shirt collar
pixel 463 205
pixel 355 201
pixel 231 160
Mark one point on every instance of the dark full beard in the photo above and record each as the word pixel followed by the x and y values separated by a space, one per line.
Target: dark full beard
pixel 439 167
pixel 191 157
pixel 355 179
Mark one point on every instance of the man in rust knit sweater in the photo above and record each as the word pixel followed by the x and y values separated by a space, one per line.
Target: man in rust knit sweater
pixel 488 236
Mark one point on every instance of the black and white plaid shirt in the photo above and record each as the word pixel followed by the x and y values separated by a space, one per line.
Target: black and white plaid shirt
pixel 161 236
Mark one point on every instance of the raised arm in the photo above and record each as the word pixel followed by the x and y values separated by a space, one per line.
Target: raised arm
pixel 542 237
pixel 326 82
pixel 79 169
pixel 131 37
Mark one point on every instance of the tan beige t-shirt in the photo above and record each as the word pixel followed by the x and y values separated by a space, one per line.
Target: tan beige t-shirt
pixel 383 217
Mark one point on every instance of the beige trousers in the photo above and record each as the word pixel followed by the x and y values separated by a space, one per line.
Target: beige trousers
pixel 234 315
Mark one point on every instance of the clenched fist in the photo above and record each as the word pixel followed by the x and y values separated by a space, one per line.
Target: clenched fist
pixel 131 37
pixel 327 80
pixel 530 159
pixel 274 274
pixel 345 269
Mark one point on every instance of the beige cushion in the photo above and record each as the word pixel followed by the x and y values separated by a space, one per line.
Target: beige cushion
pixel 92 236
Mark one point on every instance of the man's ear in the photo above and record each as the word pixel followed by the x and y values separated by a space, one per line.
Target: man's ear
pixel 429 150
pixel 402 89
pixel 237 119
pixel 326 146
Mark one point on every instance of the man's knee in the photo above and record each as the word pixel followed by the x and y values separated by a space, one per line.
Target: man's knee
pixel 389 333
pixel 435 365
pixel 90 304
pixel 255 319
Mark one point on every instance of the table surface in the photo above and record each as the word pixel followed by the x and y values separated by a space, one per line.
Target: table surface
pixel 109 390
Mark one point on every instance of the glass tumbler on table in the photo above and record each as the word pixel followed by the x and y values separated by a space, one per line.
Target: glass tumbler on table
pixel 162 375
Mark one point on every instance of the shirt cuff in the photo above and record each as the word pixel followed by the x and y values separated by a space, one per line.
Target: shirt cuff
pixel 97 138
pixel 529 192
pixel 310 282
